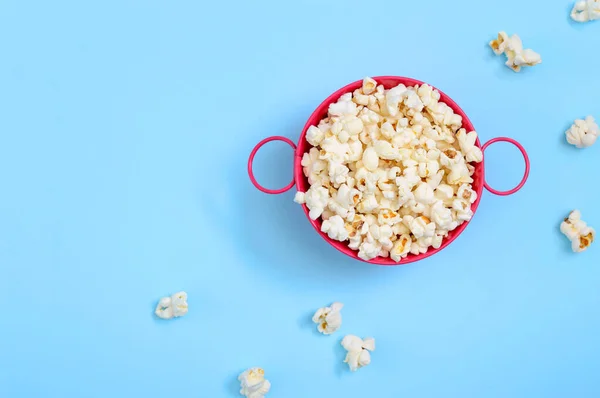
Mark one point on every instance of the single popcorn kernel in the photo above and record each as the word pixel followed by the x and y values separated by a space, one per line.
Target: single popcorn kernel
pixel 253 383
pixel 329 319
pixel 577 231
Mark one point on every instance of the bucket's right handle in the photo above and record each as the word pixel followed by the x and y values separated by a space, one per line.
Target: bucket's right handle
pixel 523 180
pixel 251 160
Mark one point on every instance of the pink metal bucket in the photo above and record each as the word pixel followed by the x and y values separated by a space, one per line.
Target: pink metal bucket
pixel 301 182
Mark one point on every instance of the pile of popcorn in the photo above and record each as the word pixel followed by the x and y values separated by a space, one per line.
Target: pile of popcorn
pixel 390 171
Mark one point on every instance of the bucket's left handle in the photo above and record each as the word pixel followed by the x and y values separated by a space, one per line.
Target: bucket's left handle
pixel 251 160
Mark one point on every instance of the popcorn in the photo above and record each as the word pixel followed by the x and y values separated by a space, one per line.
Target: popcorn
pixel 343 107
pixel 401 248
pixel 370 159
pixel 358 355
pixel 465 192
pixel 300 198
pixel 586 10
pixel 424 193
pixel 335 228
pixel 172 307
pixel 442 216
pixel 253 383
pixel 328 319
pixel 420 226
pixel 316 199
pixel 390 171
pixel 369 85
pixel 516 56
pixel 463 209
pixel 312 165
pixel 583 133
pixel 466 141
pixel 578 232
pixel 369 250
pixel 314 136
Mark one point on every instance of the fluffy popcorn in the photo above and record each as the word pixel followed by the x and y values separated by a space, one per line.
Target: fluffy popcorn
pixel 369 250
pixel 369 85
pixel 253 383
pixel 512 47
pixel 466 141
pixel 329 319
pixel 314 135
pixel 370 159
pixel 358 355
pixel 586 10
pixel 390 171
pixel 583 133
pixel 172 307
pixel 316 199
pixel 335 228
pixel 577 231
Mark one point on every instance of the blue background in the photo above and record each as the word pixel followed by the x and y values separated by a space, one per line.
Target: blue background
pixel 125 128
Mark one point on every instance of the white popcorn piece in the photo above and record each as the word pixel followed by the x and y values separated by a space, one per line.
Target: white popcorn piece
pixel 314 136
pixel 369 250
pixel 586 10
pixel 583 133
pixel 300 198
pixel 370 159
pixel 466 193
pixel 253 383
pixel 463 209
pixel 329 319
pixel 172 307
pixel 466 141
pixel 401 248
pixel 369 85
pixel 382 234
pixel 358 355
pixel 385 150
pixel 335 228
pixel 343 107
pixel 516 56
pixel 424 193
pixel 316 199
pixel 312 165
pixel 420 226
pixel 459 174
pixel 578 232
pixel 442 216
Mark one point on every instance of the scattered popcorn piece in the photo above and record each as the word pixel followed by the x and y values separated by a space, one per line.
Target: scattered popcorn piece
pixel 578 232
pixel 358 349
pixel 390 170
pixel 172 307
pixel 583 133
pixel 516 56
pixel 329 319
pixel 253 383
pixel 586 10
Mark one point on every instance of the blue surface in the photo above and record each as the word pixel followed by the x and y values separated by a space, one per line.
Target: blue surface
pixel 125 129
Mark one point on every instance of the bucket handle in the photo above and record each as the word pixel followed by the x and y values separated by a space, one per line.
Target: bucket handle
pixel 525 175
pixel 251 160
